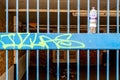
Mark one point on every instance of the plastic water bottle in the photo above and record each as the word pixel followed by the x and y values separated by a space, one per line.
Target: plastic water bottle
pixel 93 14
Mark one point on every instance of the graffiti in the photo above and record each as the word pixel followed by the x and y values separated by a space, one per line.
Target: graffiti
pixel 40 41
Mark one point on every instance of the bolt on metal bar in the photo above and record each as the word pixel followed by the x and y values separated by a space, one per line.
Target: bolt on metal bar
pixel 58 31
pixel 7 32
pixel 48 31
pixel 68 30
pixel 27 53
pixel 37 55
pixel 78 31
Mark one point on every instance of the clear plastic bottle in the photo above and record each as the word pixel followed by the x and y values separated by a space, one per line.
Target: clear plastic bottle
pixel 93 20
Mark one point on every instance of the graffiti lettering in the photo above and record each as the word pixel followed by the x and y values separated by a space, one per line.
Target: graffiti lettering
pixel 41 41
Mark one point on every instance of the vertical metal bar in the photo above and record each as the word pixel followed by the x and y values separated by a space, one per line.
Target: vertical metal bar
pixel 7 32
pixel 27 53
pixel 88 52
pixel 88 64
pixel 48 65
pixel 6 64
pixel 107 73
pixel 118 4
pixel 117 55
pixel 7 17
pixel 68 65
pixel 58 31
pixel 37 77
pixel 58 64
pixel 17 24
pixel 78 16
pixel 88 19
pixel 108 15
pixel 27 65
pixel 48 30
pixel 98 30
pixel 68 30
pixel 78 65
pixel 117 65
pixel 98 65
pixel 98 18
pixel 78 31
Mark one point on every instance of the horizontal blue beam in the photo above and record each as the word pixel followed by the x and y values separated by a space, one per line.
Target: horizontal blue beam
pixel 59 41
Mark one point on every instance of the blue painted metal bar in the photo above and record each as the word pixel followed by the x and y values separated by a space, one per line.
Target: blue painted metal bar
pixel 68 65
pixel 48 16
pixel 68 30
pixel 88 51
pixel 78 31
pixel 118 4
pixel 107 70
pixel 88 18
pixel 48 30
pixel 108 22
pixel 98 16
pixel 78 65
pixel 117 55
pixel 108 15
pixel 37 69
pixel 48 69
pixel 88 64
pixel 78 16
pixel 7 17
pixel 58 31
pixel 7 32
pixel 17 24
pixel 98 65
pixel 6 64
pixel 98 30
pixel 58 64
pixel 59 41
pixel 27 53
pixel 27 65
pixel 117 65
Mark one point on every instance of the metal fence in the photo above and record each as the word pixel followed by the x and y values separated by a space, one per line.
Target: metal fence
pixel 89 35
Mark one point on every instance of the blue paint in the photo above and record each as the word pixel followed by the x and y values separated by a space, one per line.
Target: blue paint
pixel 59 41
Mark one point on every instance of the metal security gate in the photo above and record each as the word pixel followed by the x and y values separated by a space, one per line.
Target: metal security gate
pixel 63 41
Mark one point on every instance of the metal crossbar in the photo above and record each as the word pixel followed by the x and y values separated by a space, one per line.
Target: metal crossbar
pixel 59 41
